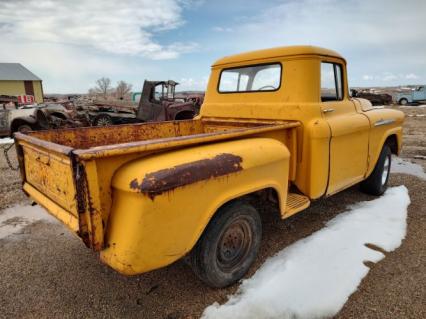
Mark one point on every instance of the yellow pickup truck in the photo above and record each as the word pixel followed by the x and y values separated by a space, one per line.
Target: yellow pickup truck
pixel 276 124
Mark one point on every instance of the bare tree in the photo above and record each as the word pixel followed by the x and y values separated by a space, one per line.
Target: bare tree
pixel 103 87
pixel 123 90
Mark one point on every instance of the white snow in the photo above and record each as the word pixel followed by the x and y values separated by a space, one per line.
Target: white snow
pixel 314 277
pixel 405 167
pixel 13 219
pixel 6 140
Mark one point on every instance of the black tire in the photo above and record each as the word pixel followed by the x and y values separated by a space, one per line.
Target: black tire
pixel 377 182
pixel 102 120
pixel 228 246
pixel 24 128
pixel 403 101
pixel 184 115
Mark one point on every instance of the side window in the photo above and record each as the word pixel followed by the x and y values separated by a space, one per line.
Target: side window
pixel 158 92
pixel 331 82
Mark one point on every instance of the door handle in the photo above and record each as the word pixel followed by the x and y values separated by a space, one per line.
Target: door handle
pixel 328 110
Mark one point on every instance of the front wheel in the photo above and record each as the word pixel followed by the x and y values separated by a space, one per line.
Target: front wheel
pixel 377 182
pixel 228 246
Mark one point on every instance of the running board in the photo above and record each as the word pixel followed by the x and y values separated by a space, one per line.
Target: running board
pixel 295 204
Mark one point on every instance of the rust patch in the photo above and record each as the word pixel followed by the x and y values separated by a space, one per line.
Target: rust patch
pixel 165 180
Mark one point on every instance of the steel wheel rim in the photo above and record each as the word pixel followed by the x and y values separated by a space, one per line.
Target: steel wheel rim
pixel 234 245
pixel 385 173
pixel 104 122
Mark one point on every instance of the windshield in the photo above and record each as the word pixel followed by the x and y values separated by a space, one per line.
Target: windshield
pixel 265 77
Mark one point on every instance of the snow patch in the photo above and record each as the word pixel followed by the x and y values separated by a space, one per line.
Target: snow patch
pixel 405 167
pixel 6 140
pixel 314 277
pixel 13 219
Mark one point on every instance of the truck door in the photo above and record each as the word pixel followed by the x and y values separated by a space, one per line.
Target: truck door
pixel 150 105
pixel 349 130
pixel 419 94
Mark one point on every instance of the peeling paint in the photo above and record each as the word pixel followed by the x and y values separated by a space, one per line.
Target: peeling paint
pixel 168 179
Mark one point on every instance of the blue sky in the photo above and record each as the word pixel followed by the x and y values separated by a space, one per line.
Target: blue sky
pixel 70 44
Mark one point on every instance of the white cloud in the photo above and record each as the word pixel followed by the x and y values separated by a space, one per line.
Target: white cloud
pixel 222 29
pixel 314 277
pixel 411 76
pixel 375 36
pixel 390 77
pixel 191 84
pixel 119 27
pixel 338 23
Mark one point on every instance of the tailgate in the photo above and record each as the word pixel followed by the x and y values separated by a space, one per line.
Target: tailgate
pixel 53 179
pixel 51 174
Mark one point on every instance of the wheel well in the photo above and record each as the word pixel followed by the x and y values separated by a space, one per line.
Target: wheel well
pixel 263 200
pixel 393 143
pixel 185 115
pixel 59 115
pixel 17 123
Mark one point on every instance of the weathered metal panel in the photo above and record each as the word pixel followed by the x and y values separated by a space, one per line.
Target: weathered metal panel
pixel 156 183
pixel 51 174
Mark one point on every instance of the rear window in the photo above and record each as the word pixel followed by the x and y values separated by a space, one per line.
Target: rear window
pixel 256 78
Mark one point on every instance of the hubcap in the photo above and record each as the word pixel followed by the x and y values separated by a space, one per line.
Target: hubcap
pixel 104 122
pixel 385 170
pixel 234 245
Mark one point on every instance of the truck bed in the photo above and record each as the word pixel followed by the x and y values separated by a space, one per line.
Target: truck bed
pixel 69 171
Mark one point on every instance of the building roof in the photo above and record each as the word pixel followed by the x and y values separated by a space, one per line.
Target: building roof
pixel 16 72
pixel 277 52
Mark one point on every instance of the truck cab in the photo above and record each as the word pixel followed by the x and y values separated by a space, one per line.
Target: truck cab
pixel 414 96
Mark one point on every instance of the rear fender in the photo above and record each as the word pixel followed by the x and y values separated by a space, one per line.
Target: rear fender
pixel 162 204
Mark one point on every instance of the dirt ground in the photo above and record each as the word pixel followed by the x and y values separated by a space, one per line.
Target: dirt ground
pixel 47 272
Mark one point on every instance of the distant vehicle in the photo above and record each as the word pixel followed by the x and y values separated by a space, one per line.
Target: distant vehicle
pixel 158 102
pixel 27 118
pixel 374 98
pixel 418 95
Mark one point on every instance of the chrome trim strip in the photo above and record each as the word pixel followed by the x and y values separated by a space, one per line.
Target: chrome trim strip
pixel 383 122
pixel 328 110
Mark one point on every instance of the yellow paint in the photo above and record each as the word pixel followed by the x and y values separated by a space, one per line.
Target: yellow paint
pixel 15 88
pixel 150 233
pixel 38 91
pixel 285 137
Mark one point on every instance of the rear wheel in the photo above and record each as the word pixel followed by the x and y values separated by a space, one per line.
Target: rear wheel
pixel 24 128
pixel 403 101
pixel 102 120
pixel 377 182
pixel 228 246
pixel 184 115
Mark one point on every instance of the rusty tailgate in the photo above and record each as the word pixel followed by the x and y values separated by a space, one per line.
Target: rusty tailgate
pixel 51 174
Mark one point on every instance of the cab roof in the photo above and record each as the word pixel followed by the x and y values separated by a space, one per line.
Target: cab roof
pixel 277 52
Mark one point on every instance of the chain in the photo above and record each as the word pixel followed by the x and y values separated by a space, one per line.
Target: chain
pixel 6 149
